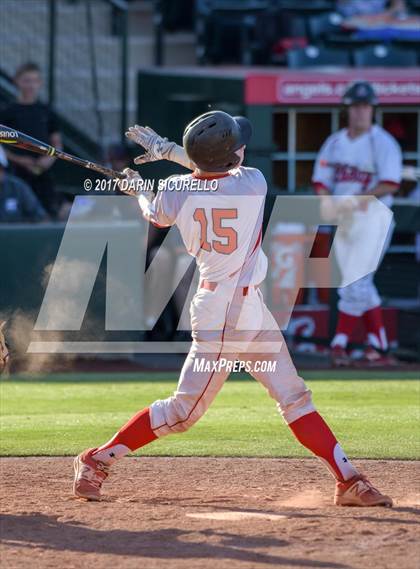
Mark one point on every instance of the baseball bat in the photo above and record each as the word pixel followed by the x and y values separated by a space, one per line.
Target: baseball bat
pixel 20 140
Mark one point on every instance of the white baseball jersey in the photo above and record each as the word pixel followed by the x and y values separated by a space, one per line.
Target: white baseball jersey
pixel 222 229
pixel 352 166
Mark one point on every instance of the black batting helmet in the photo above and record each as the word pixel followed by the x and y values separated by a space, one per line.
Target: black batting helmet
pixel 360 92
pixel 211 140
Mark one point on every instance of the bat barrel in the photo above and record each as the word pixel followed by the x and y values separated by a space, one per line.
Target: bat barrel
pixel 20 140
pixel 8 135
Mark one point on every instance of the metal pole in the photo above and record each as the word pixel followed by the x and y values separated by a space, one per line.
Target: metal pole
pixel 158 21
pixel 94 73
pixel 52 51
pixel 124 72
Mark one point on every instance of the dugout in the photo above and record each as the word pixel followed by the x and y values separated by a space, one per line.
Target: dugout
pixel 292 112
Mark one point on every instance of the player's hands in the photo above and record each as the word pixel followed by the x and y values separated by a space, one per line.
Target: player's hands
pixel 4 351
pixel 157 147
pixel 345 214
pixel 131 184
pixel 347 206
pixel 338 209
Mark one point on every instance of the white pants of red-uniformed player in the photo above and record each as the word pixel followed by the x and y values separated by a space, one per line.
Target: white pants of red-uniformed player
pixel 231 326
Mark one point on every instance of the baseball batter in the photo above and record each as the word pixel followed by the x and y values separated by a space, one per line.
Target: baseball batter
pixel 230 322
pixel 362 159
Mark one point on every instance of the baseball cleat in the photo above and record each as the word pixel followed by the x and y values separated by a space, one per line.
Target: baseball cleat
pixel 89 475
pixel 374 358
pixel 359 491
pixel 340 357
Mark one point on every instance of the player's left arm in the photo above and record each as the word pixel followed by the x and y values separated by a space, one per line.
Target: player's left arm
pixel 157 210
pixel 323 181
pixel 383 189
pixel 157 147
pixel 389 166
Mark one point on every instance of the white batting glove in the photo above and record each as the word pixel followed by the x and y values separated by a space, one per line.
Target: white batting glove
pixel 157 147
pixel 133 184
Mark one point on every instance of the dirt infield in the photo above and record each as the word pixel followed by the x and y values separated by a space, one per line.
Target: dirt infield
pixel 208 513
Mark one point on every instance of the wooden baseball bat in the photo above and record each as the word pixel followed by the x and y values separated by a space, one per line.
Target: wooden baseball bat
pixel 20 140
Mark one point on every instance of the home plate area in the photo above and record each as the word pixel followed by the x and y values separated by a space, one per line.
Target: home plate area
pixel 206 513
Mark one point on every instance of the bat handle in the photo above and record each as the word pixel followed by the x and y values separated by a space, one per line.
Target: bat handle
pixel 119 175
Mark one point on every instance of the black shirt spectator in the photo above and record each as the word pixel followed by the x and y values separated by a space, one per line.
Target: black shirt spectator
pixel 36 119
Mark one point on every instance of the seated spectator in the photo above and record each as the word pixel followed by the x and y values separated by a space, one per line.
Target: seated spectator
pixel 350 8
pixel 18 203
pixel 34 118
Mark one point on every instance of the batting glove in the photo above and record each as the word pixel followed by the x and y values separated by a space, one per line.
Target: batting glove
pixel 131 184
pixel 157 147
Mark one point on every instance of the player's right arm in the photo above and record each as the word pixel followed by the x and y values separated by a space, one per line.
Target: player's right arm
pixel 161 210
pixel 157 147
pixel 323 183
pixel 323 180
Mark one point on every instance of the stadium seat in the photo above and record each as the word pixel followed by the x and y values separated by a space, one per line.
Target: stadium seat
pixel 313 56
pixel 384 56
pixel 234 31
pixel 205 7
pixel 306 7
pixel 320 26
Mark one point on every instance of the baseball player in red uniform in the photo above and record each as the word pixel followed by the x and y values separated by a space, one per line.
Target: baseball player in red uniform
pixel 362 159
pixel 230 322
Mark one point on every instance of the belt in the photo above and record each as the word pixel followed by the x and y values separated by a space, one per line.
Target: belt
pixel 211 285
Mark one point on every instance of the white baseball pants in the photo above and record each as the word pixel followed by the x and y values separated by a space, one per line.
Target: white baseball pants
pixel 228 326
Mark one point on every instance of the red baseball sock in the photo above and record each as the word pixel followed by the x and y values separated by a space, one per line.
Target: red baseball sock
pixel 313 433
pixel 133 435
pixel 345 326
pixel 375 328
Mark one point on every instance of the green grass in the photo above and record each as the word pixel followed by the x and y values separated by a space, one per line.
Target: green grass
pixel 371 418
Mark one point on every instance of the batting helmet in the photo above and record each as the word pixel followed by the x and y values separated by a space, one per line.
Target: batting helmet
pixel 360 92
pixel 211 140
